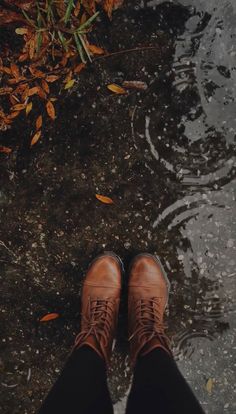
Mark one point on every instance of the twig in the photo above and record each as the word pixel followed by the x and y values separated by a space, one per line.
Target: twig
pixel 121 52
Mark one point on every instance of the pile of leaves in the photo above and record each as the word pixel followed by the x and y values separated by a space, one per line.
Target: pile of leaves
pixel 52 45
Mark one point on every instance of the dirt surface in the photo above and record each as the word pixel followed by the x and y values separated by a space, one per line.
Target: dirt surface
pixel 173 183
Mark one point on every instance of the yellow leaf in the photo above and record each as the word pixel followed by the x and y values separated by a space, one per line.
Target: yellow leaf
pixel 209 385
pixel 49 317
pixel 21 30
pixel 96 50
pixel 69 84
pixel 104 199
pixel 5 150
pixel 28 108
pixel 35 138
pixel 50 110
pixel 116 89
pixel 39 122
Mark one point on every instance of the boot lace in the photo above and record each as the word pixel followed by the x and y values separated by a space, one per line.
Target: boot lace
pixel 98 322
pixel 149 322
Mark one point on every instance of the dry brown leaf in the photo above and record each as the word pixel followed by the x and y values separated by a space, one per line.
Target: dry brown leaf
pixel 13 115
pixel 116 89
pixel 18 107
pixel 35 138
pixel 108 6
pixel 23 57
pixel 39 122
pixel 69 84
pixel 45 86
pixel 15 70
pixel 78 68
pixel 36 72
pixel 96 50
pixel 52 78
pixel 104 199
pixel 13 100
pixel 49 317
pixel 5 70
pixel 12 81
pixel 28 108
pixel 21 30
pixel 41 93
pixel 6 90
pixel 31 44
pixel 77 8
pixel 25 93
pixel 209 385
pixel 33 91
pixel 51 110
pixel 5 150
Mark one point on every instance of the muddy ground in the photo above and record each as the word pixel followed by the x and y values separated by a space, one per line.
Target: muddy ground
pixel 172 177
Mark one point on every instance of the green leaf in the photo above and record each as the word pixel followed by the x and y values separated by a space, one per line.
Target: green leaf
pixel 39 41
pixel 79 48
pixel 63 40
pixel 88 22
pixel 68 11
pixel 85 47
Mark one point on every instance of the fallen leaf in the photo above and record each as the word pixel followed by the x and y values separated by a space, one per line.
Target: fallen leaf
pixel 209 385
pixel 33 91
pixel 28 108
pixel 35 138
pixel 15 70
pixel 23 57
pixel 108 7
pixel 104 199
pixel 39 122
pixel 79 67
pixel 13 115
pixel 96 50
pixel 135 85
pixel 18 107
pixel 21 30
pixel 50 110
pixel 41 93
pixel 31 47
pixel 36 72
pixel 6 90
pixel 5 150
pixel 52 78
pixel 116 89
pixel 45 86
pixel 69 84
pixel 77 8
pixel 49 317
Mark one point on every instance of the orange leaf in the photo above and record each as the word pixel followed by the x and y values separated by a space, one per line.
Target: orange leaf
pixel 36 72
pixel 52 78
pixel 5 150
pixel 35 138
pixel 116 89
pixel 28 108
pixel 104 199
pixel 49 317
pixel 31 47
pixel 79 67
pixel 108 7
pixel 50 110
pixel 15 70
pixel 6 90
pixel 33 91
pixel 77 9
pixel 18 107
pixel 45 86
pixel 39 122
pixel 23 57
pixel 96 50
pixel 13 115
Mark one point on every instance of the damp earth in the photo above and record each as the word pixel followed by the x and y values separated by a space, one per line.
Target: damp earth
pixel 166 156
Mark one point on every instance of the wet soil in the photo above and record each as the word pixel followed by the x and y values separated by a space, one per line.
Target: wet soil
pixel 167 158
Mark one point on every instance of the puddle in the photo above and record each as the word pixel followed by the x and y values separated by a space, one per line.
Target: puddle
pixel 167 157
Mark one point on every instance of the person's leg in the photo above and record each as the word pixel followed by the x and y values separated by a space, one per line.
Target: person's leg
pixel 81 387
pixel 158 386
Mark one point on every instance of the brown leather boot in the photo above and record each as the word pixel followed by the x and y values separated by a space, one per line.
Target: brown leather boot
pixel 100 304
pixel 147 300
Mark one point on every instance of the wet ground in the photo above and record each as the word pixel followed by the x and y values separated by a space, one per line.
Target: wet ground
pixel 167 157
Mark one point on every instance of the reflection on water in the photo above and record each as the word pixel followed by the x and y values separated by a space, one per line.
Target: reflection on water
pixel 189 140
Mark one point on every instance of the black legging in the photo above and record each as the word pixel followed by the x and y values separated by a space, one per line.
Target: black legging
pixel 158 387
